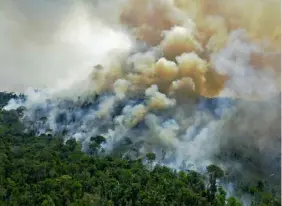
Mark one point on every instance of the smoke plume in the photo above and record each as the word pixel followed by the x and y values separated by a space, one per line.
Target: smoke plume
pixel 193 81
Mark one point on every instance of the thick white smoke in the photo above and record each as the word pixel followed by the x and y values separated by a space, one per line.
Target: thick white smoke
pixel 184 90
pixel 245 79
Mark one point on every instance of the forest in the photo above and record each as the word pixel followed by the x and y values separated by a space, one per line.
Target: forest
pixel 46 170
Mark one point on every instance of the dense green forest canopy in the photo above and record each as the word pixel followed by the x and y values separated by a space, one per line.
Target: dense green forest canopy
pixel 46 170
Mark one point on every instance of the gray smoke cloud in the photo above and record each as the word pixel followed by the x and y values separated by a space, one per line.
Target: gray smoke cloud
pixel 192 96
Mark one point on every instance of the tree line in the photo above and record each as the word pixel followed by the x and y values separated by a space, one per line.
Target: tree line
pixel 48 170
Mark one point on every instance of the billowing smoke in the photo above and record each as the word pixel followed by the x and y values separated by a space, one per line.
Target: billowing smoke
pixel 193 81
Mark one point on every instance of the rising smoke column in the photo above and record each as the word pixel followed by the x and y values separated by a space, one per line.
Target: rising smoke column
pixel 155 91
pixel 197 30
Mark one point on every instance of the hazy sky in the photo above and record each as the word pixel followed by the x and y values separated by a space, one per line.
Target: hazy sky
pixel 43 42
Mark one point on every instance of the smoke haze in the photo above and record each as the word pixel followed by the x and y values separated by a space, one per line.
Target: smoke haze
pixel 188 80
pixel 46 42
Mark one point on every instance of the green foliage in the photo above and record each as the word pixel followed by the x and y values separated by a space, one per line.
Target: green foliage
pixel 46 171
pixel 151 156
pixel 5 97
pixel 215 170
pixel 95 144
pixel 233 202
pixel 98 139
